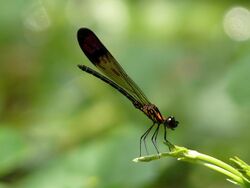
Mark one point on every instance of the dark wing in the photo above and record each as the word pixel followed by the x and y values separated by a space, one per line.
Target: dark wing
pixel 106 63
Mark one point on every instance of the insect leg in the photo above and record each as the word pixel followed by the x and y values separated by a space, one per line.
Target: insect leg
pixel 153 138
pixel 143 137
pixel 170 145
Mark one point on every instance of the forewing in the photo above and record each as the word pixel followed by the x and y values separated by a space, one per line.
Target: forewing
pixel 106 63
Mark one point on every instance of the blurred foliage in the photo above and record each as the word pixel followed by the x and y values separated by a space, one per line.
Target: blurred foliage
pixel 60 127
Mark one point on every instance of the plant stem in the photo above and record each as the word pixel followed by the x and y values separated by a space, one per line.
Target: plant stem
pixel 184 154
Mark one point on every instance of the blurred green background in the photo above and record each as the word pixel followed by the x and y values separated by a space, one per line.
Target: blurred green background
pixel 62 128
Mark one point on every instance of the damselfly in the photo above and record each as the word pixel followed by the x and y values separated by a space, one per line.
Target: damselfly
pixel 116 77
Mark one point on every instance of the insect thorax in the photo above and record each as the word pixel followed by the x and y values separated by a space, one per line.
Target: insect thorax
pixel 152 112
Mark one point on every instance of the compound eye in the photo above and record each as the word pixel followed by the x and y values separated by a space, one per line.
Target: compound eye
pixel 171 122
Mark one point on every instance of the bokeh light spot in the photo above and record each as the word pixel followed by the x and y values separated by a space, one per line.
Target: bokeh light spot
pixel 36 17
pixel 237 24
pixel 160 17
pixel 110 14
